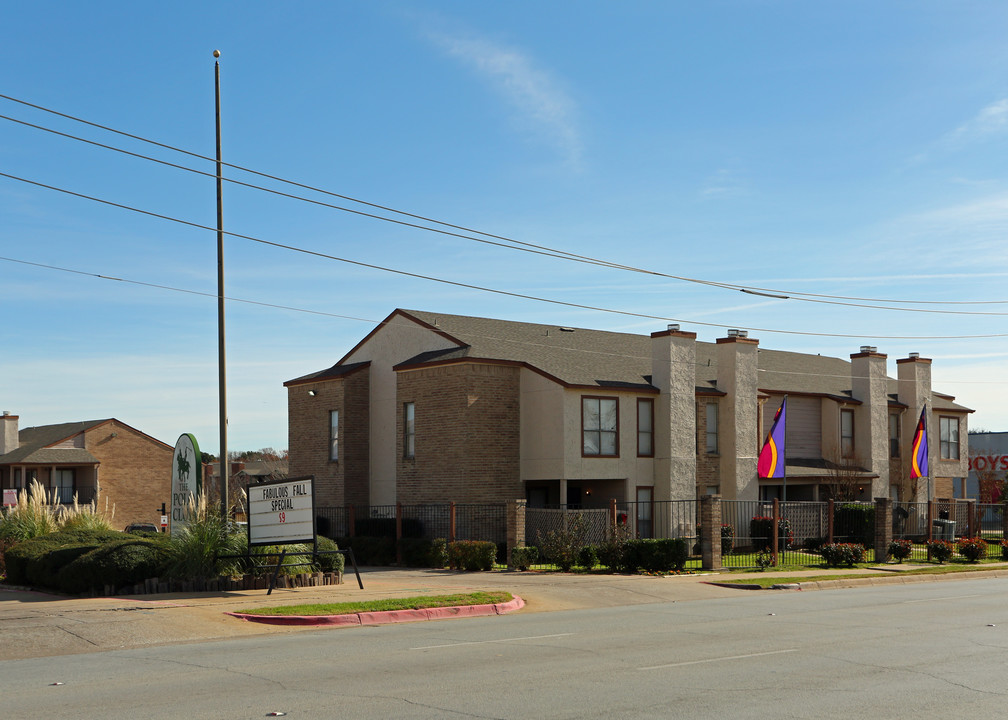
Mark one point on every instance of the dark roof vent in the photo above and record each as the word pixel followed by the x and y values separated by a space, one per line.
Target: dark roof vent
pixel 563 329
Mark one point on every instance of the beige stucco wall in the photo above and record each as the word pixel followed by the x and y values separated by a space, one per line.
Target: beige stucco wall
pixel 542 427
pixel 399 339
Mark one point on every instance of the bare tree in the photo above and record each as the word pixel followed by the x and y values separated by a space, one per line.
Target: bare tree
pixel 846 476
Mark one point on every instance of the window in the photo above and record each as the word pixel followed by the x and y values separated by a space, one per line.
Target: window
pixel 409 430
pixel 599 422
pixel 64 485
pixel 846 433
pixel 334 434
pixel 712 428
pixel 645 427
pixel 894 436
pixel 949 430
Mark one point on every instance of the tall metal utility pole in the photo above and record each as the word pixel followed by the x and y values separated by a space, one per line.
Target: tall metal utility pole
pixel 225 466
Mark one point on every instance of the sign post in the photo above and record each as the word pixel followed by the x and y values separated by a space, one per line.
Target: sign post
pixel 187 480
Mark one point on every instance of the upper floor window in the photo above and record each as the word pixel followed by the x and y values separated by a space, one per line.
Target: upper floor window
pixel 948 428
pixel 645 427
pixel 712 428
pixel 409 430
pixel 846 433
pixel 334 434
pixel 894 436
pixel 599 426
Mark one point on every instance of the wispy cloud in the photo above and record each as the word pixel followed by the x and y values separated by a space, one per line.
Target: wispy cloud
pixel 537 98
pixel 991 120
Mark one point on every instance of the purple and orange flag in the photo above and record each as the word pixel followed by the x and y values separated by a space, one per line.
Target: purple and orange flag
pixel 771 457
pixel 919 456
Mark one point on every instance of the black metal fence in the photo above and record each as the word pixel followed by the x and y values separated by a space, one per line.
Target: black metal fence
pixel 452 521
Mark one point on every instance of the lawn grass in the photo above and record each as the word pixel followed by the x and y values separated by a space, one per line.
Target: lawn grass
pixel 411 603
pixel 779 578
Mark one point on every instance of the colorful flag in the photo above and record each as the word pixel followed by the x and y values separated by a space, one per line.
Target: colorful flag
pixel 919 456
pixel 771 457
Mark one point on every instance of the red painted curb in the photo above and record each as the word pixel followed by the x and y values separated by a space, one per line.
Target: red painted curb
pixel 387 616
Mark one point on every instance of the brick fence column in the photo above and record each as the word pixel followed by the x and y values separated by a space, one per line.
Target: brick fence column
pixel 1004 520
pixel 883 528
pixel 515 511
pixel 710 532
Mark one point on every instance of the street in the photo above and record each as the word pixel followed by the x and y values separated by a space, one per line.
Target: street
pixel 899 651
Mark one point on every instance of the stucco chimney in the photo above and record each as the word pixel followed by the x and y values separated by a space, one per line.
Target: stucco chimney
pixel 870 385
pixel 8 433
pixel 914 376
pixel 738 377
pixel 673 372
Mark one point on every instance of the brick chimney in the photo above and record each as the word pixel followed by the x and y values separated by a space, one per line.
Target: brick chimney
pixel 673 372
pixel 8 433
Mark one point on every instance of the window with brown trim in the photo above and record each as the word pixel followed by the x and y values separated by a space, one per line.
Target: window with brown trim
pixel 409 430
pixel 645 427
pixel 599 426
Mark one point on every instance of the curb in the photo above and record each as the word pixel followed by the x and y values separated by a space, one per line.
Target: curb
pixel 387 616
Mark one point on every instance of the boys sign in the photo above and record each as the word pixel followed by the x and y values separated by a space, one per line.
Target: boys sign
pixel 282 512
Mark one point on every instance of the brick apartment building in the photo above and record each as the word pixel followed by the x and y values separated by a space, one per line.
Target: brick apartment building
pixel 103 459
pixel 433 408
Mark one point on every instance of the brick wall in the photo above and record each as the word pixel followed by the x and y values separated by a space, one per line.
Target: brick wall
pixel 345 480
pixel 134 474
pixel 467 434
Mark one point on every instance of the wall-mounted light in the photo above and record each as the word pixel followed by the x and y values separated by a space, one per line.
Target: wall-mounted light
pixel 588 493
pixel 311 393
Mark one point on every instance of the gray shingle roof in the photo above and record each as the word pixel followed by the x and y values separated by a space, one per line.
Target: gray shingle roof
pixel 599 358
pixel 34 445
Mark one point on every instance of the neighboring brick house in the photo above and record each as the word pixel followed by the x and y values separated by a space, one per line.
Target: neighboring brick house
pixel 103 459
pixel 432 407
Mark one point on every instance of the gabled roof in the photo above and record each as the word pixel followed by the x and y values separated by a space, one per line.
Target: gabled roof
pixel 582 357
pixel 35 445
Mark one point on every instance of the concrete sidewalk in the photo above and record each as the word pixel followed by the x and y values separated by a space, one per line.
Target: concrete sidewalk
pixel 36 624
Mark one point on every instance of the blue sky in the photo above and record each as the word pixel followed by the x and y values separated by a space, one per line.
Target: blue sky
pixel 852 149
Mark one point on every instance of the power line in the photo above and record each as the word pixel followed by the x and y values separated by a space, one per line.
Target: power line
pixel 469 286
pixel 849 301
pixel 380 323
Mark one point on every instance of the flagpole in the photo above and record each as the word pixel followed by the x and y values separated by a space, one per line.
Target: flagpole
pixel 784 458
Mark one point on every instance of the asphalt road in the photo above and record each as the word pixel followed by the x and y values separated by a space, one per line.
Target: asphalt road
pixel 890 651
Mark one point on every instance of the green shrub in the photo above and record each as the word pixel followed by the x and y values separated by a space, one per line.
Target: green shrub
pixel 761 532
pixel 1004 549
pixel 471 555
pixel 900 549
pixel 588 557
pixel 613 552
pixel 438 553
pixel 374 551
pixel 764 559
pixel 26 561
pixel 972 548
pixel 120 564
pixel 329 563
pixel 656 555
pixel 939 550
pixel 202 548
pixel 561 547
pixel 522 558
pixel 418 552
pixel 837 554
pixel 727 540
pixel 855 522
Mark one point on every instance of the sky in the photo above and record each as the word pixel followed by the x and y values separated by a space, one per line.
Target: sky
pixel 847 152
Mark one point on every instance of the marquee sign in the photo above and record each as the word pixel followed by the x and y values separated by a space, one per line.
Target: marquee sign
pixel 281 512
pixel 187 479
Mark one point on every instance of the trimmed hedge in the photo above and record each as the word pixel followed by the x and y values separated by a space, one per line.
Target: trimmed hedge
pixel 471 555
pixel 119 564
pixel 837 554
pixel 656 555
pixel 522 558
